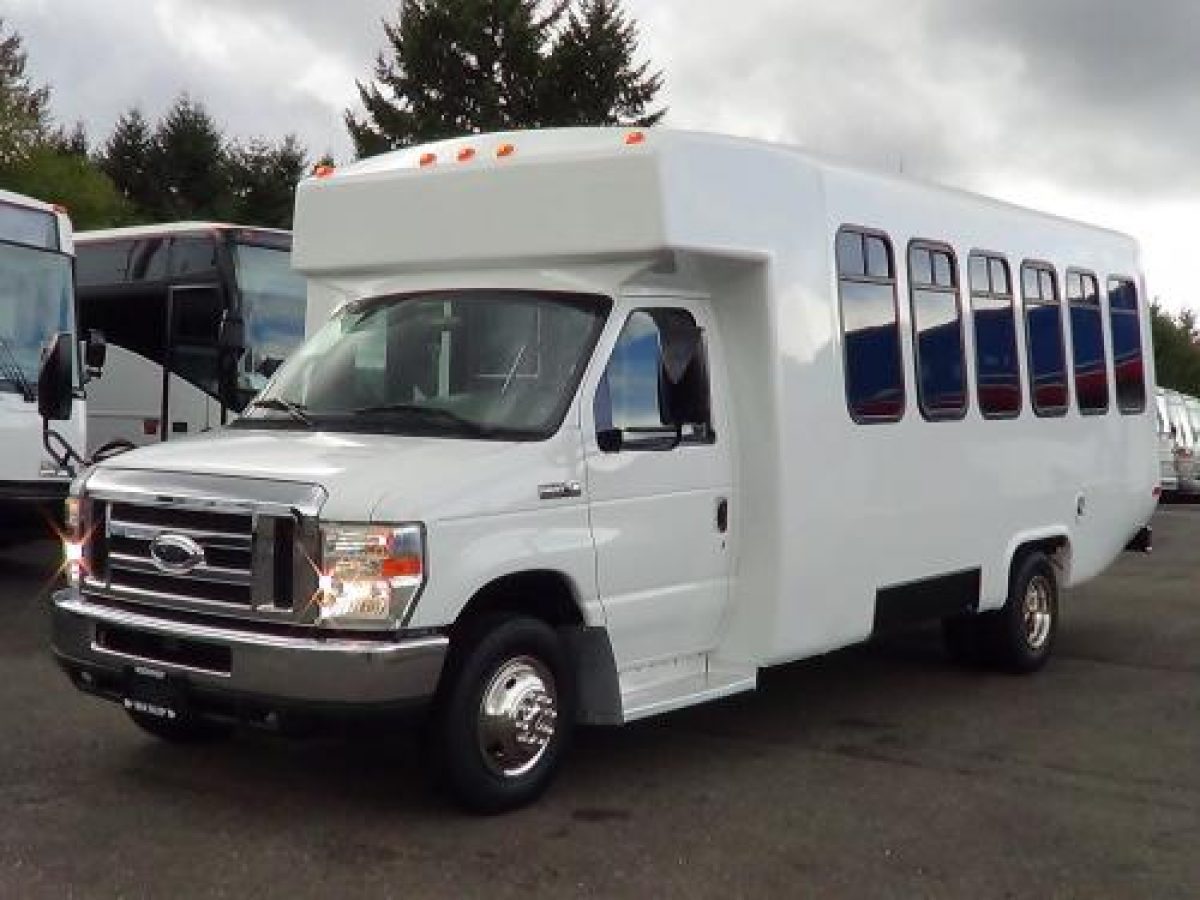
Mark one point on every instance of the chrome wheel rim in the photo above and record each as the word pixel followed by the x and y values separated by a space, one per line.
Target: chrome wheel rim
pixel 517 716
pixel 1037 612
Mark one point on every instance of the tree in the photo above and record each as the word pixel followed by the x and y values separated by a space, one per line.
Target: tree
pixel 188 175
pixel 126 159
pixel 24 108
pixel 593 78
pixel 1176 350
pixel 263 179
pixel 462 66
pixel 70 180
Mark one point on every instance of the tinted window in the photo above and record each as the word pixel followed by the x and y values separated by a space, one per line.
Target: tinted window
pixel 1043 327
pixel 1127 345
pixel 102 263
pixel 997 368
pixel 637 384
pixel 192 255
pixel 1087 343
pixel 870 327
pixel 35 227
pixel 937 333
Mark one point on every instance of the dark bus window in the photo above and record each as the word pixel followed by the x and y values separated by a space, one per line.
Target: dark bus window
pixel 937 332
pixel 193 255
pixel 1087 343
pixel 870 326
pixel 1044 333
pixel 102 263
pixel 998 370
pixel 1127 345
pixel 148 260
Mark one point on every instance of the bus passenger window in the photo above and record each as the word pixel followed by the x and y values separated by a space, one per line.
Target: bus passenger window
pixel 870 326
pixel 1127 345
pixel 997 368
pixel 1087 343
pixel 937 332
pixel 1044 334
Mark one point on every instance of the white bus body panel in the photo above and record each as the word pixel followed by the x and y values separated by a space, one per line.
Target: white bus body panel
pixel 824 513
pixel 125 402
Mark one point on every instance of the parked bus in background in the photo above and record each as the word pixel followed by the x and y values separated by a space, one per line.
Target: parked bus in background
pixel 37 302
pixel 1186 439
pixel 1168 476
pixel 197 317
pixel 1191 412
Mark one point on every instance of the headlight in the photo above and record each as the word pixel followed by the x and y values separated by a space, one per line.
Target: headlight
pixel 370 574
pixel 74 544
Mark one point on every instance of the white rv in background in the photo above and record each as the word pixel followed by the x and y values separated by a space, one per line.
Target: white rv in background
pixel 598 424
pixel 197 316
pixel 1167 437
pixel 37 302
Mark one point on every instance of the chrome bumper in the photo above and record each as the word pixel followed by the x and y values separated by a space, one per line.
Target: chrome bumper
pixel 268 668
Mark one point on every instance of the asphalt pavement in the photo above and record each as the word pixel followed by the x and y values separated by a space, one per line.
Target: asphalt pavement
pixel 880 771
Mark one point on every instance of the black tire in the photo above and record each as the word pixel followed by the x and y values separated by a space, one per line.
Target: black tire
pixel 186 729
pixel 1020 635
pixel 519 664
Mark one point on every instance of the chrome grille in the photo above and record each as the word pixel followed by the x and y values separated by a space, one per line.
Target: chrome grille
pixel 258 540
pixel 226 574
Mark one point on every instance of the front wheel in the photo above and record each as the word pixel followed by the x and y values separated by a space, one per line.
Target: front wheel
pixel 505 715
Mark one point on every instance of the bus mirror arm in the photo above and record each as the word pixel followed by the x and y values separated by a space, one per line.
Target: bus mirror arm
pixel 95 353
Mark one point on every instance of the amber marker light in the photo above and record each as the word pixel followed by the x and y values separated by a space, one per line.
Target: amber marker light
pixel 505 150
pixel 466 154
pixel 427 160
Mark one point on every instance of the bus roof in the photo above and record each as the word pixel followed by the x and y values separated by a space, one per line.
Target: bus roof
pixel 608 192
pixel 169 228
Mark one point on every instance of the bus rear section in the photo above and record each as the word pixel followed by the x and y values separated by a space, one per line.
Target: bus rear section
pixel 197 317
pixel 37 301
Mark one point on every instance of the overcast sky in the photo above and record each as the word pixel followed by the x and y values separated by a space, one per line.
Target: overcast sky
pixel 1087 108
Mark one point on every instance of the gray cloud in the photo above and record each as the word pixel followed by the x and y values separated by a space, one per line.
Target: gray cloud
pixel 1096 95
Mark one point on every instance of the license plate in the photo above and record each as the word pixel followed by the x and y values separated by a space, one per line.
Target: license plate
pixel 153 696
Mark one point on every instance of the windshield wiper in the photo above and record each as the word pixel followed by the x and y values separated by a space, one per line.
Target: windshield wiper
pixel 278 403
pixel 10 370
pixel 430 412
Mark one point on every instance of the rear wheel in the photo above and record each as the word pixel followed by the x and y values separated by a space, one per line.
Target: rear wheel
pixel 1019 636
pixel 505 714
pixel 183 729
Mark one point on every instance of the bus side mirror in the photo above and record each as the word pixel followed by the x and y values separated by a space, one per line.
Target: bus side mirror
pixel 95 353
pixel 55 379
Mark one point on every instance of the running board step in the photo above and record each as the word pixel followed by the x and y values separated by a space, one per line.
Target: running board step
pixel 713 684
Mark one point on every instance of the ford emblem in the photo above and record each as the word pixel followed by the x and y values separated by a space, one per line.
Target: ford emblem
pixel 177 554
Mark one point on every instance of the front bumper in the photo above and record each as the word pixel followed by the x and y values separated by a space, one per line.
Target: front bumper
pixel 228 671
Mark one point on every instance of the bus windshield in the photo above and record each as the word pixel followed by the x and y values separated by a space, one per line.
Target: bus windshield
pixel 273 308
pixel 35 304
pixel 502 365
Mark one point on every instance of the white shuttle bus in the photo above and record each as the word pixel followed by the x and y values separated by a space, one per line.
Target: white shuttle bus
pixel 37 302
pixel 196 315
pixel 598 424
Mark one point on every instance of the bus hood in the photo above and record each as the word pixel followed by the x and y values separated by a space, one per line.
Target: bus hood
pixel 377 477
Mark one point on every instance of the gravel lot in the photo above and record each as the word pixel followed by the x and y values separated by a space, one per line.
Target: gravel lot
pixel 879 771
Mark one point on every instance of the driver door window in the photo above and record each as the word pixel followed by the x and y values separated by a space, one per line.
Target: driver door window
pixel 644 391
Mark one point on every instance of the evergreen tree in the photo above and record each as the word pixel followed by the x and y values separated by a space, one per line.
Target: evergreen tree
pixel 263 179
pixel 127 156
pixel 72 180
pixel 593 77
pixel 187 169
pixel 462 66
pixel 24 108
pixel 1176 350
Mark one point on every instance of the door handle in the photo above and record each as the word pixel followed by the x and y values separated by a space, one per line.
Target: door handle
pixel 722 514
